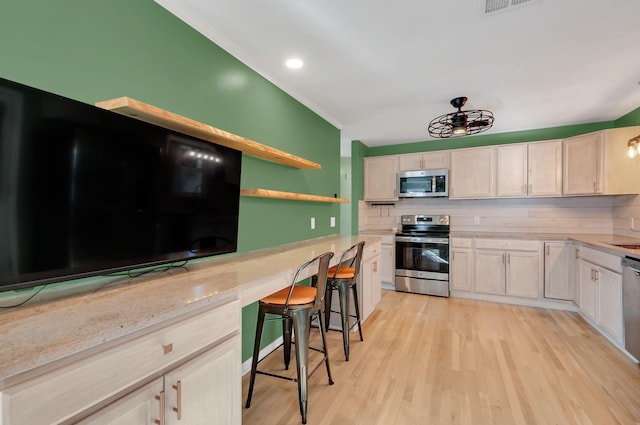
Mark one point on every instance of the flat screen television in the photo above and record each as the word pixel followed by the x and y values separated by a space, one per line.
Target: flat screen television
pixel 86 192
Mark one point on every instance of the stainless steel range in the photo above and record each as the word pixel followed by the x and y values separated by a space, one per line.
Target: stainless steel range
pixel 422 255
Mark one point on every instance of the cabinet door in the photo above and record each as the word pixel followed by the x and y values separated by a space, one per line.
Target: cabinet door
pixel 371 287
pixel 582 172
pixel 609 315
pixel 473 173
pixel 380 178
pixel 207 389
pixel 490 271
pixel 435 160
pixel 545 168
pixel 461 269
pixel 410 162
pixel 524 278
pixel 388 264
pixel 512 171
pixel 558 268
pixel 588 292
pixel 142 406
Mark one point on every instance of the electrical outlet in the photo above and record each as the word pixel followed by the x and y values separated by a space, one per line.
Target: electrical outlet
pixel 313 222
pixel 332 222
pixel 476 219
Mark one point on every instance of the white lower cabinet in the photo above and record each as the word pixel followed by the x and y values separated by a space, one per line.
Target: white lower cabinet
pixel 508 267
pixel 558 270
pixel 190 368
pixel 600 283
pixel 461 264
pixel 371 281
pixel 189 394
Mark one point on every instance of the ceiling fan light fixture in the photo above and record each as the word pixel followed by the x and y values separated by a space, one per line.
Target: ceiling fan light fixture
pixel 461 123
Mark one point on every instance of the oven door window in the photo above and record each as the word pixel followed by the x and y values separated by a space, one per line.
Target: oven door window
pixel 420 256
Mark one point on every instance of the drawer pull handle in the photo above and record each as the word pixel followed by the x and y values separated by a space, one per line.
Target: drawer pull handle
pixel 161 399
pixel 178 408
pixel 167 348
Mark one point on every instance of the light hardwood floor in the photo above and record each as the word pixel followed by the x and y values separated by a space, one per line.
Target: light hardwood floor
pixel 430 360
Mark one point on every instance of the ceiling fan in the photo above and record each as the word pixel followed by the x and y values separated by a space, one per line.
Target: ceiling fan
pixel 461 123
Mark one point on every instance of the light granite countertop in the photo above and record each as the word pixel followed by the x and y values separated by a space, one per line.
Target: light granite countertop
pixel 599 241
pixel 38 333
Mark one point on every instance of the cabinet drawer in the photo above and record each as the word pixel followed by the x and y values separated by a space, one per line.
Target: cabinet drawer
pixel 608 261
pixel 371 250
pixel 461 242
pixel 78 386
pixel 509 244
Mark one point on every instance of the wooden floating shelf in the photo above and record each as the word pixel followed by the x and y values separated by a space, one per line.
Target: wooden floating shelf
pixel 154 115
pixel 275 194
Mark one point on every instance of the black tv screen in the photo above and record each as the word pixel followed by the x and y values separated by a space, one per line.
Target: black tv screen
pixel 86 191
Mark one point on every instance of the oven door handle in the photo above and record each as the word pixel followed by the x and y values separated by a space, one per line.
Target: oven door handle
pixel 441 241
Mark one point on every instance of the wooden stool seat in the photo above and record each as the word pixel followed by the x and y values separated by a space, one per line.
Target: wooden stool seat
pixel 301 295
pixel 341 272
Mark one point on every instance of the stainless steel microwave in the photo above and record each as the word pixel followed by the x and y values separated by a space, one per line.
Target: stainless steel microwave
pixel 423 183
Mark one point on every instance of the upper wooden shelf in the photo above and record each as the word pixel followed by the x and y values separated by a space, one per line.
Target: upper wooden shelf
pixel 275 194
pixel 154 115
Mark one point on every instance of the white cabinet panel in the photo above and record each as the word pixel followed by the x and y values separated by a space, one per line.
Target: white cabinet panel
pixel 424 161
pixel 380 178
pixel 512 170
pixel 461 271
pixel 508 267
pixel 473 173
pixel 610 303
pixel 523 274
pixel 545 168
pixel 558 270
pixel 490 272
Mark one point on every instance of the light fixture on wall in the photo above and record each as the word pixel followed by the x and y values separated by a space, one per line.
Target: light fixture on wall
pixel 633 146
pixel 461 123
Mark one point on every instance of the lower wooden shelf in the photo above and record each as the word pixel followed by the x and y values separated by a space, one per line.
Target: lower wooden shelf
pixel 275 194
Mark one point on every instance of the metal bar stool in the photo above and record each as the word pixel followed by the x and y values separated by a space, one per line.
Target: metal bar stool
pixel 296 305
pixel 343 277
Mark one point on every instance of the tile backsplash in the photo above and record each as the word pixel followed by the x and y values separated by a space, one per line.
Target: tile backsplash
pixel 596 214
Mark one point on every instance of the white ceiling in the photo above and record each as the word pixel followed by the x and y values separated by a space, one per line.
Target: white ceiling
pixel 381 70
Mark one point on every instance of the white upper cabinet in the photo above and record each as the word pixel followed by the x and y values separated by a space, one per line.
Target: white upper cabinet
pixel 597 163
pixel 583 165
pixel 530 169
pixel 512 170
pixel 545 168
pixel 473 173
pixel 380 178
pixel 425 161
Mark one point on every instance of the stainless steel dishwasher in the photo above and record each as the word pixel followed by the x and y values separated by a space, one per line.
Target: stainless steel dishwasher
pixel 631 304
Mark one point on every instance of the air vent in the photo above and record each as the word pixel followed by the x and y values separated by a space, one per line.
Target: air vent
pixel 495 5
pixel 492 6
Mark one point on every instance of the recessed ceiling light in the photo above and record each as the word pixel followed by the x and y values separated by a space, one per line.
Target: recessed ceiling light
pixel 294 63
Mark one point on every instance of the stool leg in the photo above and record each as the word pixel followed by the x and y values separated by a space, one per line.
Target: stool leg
pixel 286 336
pixel 301 325
pixel 256 353
pixel 327 306
pixel 343 292
pixel 355 299
pixel 324 347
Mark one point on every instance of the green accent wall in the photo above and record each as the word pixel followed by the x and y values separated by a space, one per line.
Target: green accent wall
pixel 92 51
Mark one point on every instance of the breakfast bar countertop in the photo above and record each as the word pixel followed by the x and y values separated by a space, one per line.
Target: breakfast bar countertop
pixel 46 330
